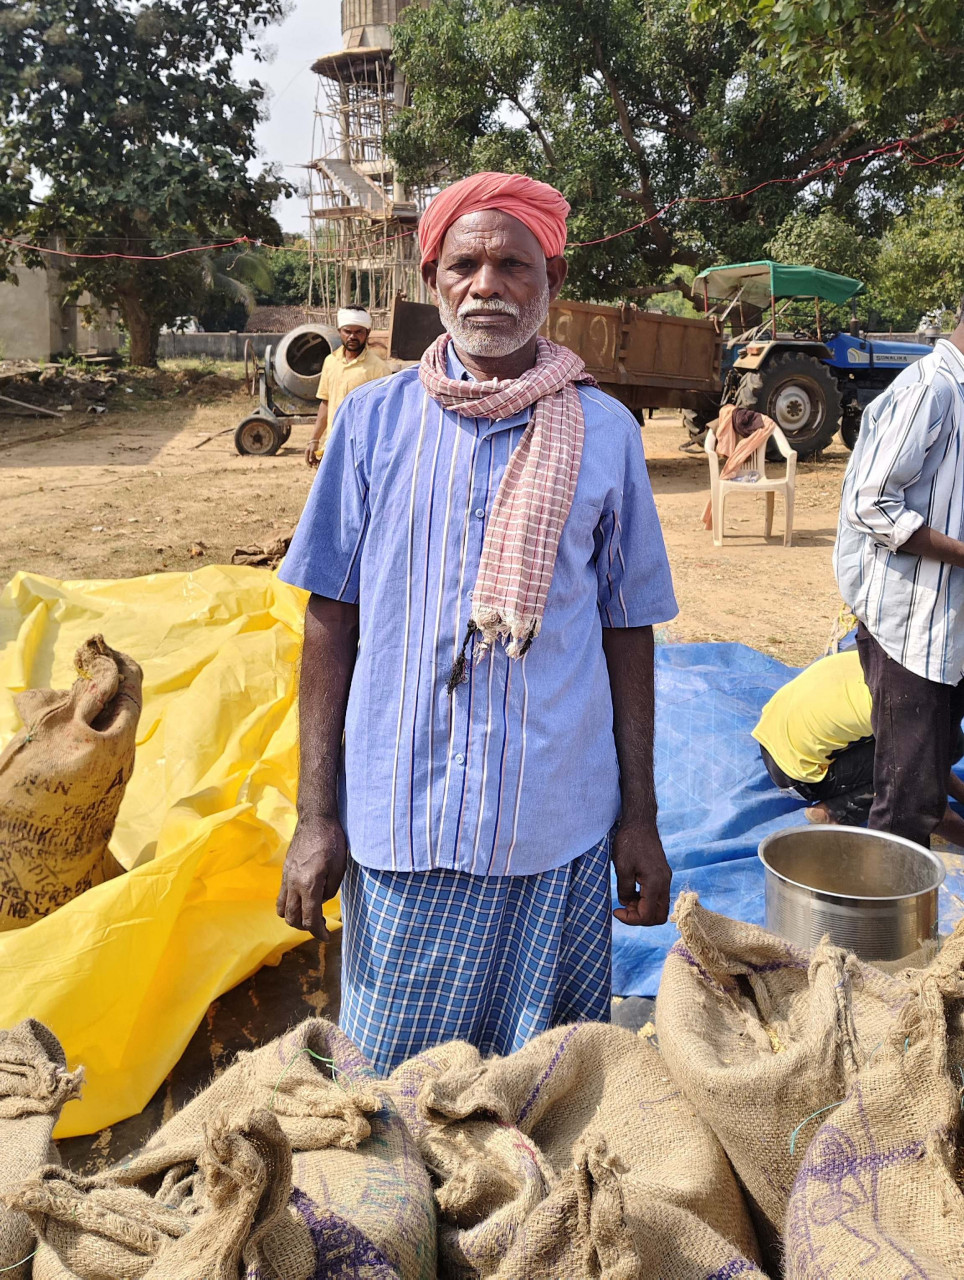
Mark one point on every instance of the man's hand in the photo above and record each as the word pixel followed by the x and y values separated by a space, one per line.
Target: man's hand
pixel 313 870
pixel 311 457
pixel 642 875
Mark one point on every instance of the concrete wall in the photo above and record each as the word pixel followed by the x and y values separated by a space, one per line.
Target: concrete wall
pixel 214 346
pixel 901 337
pixel 35 323
pixel 29 317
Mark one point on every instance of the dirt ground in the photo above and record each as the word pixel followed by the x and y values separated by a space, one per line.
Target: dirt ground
pixel 139 489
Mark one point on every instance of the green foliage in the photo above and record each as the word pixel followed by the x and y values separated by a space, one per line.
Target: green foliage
pixel 676 302
pixel 920 266
pixel 14 204
pixel 628 105
pixel 874 48
pixel 289 276
pixel 131 115
pixel 822 239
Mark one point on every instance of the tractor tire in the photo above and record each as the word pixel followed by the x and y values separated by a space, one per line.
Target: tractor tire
pixel 697 421
pixel 849 431
pixel 258 436
pixel 801 395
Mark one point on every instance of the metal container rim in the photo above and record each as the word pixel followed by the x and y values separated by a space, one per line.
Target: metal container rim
pixel 928 854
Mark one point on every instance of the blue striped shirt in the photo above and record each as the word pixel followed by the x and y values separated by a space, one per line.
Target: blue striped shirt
pixel 907 471
pixel 516 772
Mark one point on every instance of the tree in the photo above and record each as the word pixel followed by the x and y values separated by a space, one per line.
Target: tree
pixel 290 271
pixel 143 141
pixel 14 203
pixel 235 279
pixel 822 238
pixel 874 47
pixel 920 266
pixel 628 105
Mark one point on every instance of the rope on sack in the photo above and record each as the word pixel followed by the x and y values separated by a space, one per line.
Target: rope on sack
pixel 813 1115
pixel 336 1071
pixel 13 1266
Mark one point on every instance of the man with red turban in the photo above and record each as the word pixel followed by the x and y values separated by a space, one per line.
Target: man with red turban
pixel 486 567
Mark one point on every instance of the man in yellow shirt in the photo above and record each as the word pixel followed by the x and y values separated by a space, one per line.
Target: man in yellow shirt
pixel 352 365
pixel 816 739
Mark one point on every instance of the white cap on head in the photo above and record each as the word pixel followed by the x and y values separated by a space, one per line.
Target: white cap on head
pixel 354 315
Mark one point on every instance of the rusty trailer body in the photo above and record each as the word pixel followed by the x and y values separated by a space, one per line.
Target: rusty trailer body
pixel 644 358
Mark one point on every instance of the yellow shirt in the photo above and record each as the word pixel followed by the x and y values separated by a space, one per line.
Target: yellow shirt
pixel 822 710
pixel 340 374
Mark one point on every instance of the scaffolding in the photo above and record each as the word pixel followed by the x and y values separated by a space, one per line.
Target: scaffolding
pixel 363 247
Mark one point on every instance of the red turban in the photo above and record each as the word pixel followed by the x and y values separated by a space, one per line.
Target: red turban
pixel 542 208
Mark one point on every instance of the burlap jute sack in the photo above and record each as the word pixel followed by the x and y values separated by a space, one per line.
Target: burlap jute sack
pixel 876 1194
pixel 207 1220
pixel 575 1157
pixel 62 779
pixel 34 1085
pixel 759 1036
pixel 359 1193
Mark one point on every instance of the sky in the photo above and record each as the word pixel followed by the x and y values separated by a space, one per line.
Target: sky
pixel 313 27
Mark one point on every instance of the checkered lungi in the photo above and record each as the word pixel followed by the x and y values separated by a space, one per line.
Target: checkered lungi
pixel 431 956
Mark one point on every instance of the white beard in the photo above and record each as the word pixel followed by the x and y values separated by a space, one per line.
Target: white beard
pixel 478 340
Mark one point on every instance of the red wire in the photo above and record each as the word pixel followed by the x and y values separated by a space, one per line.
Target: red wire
pixel 128 257
pixel 947 160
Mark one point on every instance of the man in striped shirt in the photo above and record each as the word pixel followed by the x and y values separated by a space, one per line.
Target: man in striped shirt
pixel 483 634
pixel 899 561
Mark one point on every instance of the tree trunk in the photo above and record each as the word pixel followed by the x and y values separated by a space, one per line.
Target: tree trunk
pixel 143 332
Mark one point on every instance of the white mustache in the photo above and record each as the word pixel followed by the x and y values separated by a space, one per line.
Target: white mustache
pixel 492 306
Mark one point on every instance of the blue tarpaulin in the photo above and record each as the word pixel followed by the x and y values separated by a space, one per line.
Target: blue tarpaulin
pixel 716 802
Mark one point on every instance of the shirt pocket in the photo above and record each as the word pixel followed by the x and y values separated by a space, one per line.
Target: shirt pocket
pixel 578 541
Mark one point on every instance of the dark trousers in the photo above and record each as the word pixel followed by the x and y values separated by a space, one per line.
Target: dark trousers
pixel 847 788
pixel 916 726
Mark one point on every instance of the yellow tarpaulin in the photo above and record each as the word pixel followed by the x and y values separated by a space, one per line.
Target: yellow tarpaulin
pixel 124 974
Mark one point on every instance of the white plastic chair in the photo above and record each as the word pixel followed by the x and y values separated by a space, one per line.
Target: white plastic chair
pixel 756 462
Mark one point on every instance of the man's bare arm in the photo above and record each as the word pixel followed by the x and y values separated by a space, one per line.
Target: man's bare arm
pixel 951 827
pixel 321 422
pixel 318 853
pixel 933 545
pixel 642 872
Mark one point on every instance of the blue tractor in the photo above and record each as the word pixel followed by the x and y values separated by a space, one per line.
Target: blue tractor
pixel 810 381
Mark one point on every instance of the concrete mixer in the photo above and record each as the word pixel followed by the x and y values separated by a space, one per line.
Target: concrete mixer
pixel 286 384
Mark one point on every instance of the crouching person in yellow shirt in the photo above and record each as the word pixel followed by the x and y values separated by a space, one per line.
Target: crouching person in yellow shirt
pixel 816 740
pixel 352 365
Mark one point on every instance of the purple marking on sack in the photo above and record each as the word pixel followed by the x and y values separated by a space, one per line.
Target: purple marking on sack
pixel 342 1252
pixel 773 966
pixel 736 1267
pixel 833 1156
pixel 553 1063
pixel 833 1161
pixel 654 1102
pixel 684 953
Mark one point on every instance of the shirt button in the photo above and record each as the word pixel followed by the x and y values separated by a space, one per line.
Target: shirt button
pixel 460 758
pixel 480 512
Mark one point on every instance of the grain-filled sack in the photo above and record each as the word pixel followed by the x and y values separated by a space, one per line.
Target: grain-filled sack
pixel 574 1157
pixel 62 779
pixel 360 1193
pixel 205 1220
pixel 876 1194
pixel 34 1085
pixel 760 1036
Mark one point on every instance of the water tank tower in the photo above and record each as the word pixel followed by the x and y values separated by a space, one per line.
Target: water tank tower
pixel 363 219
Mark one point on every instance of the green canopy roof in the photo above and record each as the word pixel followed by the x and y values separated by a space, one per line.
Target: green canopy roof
pixel 762 280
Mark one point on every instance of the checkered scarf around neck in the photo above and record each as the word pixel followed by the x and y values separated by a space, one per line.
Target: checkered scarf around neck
pixel 534 497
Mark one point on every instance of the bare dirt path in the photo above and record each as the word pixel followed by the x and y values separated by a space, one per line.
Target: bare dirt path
pixel 129 492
